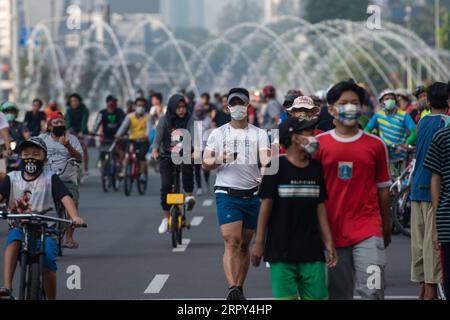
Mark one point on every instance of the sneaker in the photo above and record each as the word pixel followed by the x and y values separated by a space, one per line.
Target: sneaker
pixel 235 293
pixel 190 202
pixel 199 192
pixel 163 226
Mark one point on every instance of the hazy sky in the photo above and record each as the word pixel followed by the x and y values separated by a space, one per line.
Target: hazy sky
pixel 40 9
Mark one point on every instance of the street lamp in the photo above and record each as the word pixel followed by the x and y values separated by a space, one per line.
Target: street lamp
pixel 437 22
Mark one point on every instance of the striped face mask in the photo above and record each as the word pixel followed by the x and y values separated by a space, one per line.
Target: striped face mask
pixel 348 114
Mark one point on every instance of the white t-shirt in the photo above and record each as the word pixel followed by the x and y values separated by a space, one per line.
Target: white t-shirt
pixel 243 173
pixel 3 124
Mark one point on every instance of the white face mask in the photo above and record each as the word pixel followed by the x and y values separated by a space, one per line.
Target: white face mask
pixel 312 146
pixel 238 112
pixel 140 110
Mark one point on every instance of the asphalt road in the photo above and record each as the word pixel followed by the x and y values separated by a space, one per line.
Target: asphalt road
pixel 122 256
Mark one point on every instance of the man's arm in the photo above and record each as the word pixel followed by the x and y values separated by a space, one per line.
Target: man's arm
pixel 97 123
pixel 436 182
pixel 261 230
pixel 124 127
pixel 325 233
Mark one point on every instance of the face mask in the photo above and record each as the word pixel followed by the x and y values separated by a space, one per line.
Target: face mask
pixel 31 165
pixel 11 117
pixel 423 104
pixel 390 104
pixel 238 112
pixel 140 110
pixel 312 146
pixel 59 131
pixel 348 114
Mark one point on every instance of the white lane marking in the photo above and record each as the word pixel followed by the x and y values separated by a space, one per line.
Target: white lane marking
pixel 157 284
pixel 196 221
pixel 207 203
pixel 182 247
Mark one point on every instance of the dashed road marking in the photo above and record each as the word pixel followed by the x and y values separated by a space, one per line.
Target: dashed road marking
pixel 182 247
pixel 207 203
pixel 157 284
pixel 196 221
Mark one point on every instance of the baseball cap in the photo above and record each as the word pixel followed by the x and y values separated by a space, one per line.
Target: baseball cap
pixel 240 93
pixel 303 102
pixel 33 142
pixel 111 98
pixel 294 125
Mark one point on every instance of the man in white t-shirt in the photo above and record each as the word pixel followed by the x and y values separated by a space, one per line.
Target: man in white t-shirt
pixel 5 140
pixel 237 150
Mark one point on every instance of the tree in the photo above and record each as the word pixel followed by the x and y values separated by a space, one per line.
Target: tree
pixel 444 31
pixel 240 11
pixel 317 11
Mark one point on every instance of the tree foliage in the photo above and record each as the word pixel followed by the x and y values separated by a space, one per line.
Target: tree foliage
pixel 317 11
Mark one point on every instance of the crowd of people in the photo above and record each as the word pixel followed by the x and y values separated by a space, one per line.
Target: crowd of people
pixel 308 179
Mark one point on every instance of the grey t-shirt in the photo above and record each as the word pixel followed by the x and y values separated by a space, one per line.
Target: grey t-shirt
pixel 58 155
pixel 272 110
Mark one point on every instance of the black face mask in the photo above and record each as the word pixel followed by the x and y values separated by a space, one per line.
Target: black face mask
pixel 31 165
pixel 59 131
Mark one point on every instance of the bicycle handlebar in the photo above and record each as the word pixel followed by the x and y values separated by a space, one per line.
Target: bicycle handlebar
pixel 37 217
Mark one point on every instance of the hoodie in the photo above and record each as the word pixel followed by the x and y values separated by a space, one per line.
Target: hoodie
pixel 169 123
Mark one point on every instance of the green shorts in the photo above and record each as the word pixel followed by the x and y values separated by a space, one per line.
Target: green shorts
pixel 293 280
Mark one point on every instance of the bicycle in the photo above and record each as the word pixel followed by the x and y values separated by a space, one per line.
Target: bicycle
pixel 132 170
pixel 400 191
pixel 59 207
pixel 35 226
pixel 177 216
pixel 108 167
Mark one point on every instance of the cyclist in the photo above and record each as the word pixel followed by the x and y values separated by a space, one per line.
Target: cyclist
pixel 45 188
pixel 17 130
pixel 138 126
pixel 51 107
pixel 109 120
pixel 395 126
pixel 425 258
pixel 77 117
pixel 5 145
pixel 35 118
pixel 62 146
pixel 176 117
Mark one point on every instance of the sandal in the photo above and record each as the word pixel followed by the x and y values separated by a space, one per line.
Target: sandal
pixel 71 245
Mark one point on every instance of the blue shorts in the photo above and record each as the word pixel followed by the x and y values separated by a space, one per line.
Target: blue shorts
pixel 233 209
pixel 51 247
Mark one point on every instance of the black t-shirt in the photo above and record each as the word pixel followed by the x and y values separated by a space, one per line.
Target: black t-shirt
pixel 111 122
pixel 59 190
pixel 293 233
pixel 33 122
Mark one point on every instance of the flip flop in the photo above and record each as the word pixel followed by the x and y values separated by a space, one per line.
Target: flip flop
pixel 71 245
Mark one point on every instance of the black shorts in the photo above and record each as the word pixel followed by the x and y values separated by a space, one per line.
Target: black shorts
pixel 141 148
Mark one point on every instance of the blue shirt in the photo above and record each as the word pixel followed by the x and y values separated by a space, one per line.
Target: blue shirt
pixel 283 117
pixel 426 129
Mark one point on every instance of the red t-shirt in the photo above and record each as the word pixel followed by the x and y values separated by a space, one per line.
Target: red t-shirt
pixel 354 170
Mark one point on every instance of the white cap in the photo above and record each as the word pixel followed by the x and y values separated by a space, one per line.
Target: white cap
pixel 304 102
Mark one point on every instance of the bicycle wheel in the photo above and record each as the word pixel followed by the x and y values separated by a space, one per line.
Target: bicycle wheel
pixel 106 183
pixel 62 214
pixel 35 291
pixel 401 211
pixel 112 170
pixel 180 230
pixel 142 185
pixel 128 179
pixel 174 225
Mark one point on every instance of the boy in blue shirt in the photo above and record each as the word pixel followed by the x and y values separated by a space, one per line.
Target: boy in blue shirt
pixel 425 258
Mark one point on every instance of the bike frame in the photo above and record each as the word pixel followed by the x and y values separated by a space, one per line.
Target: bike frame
pixel 131 156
